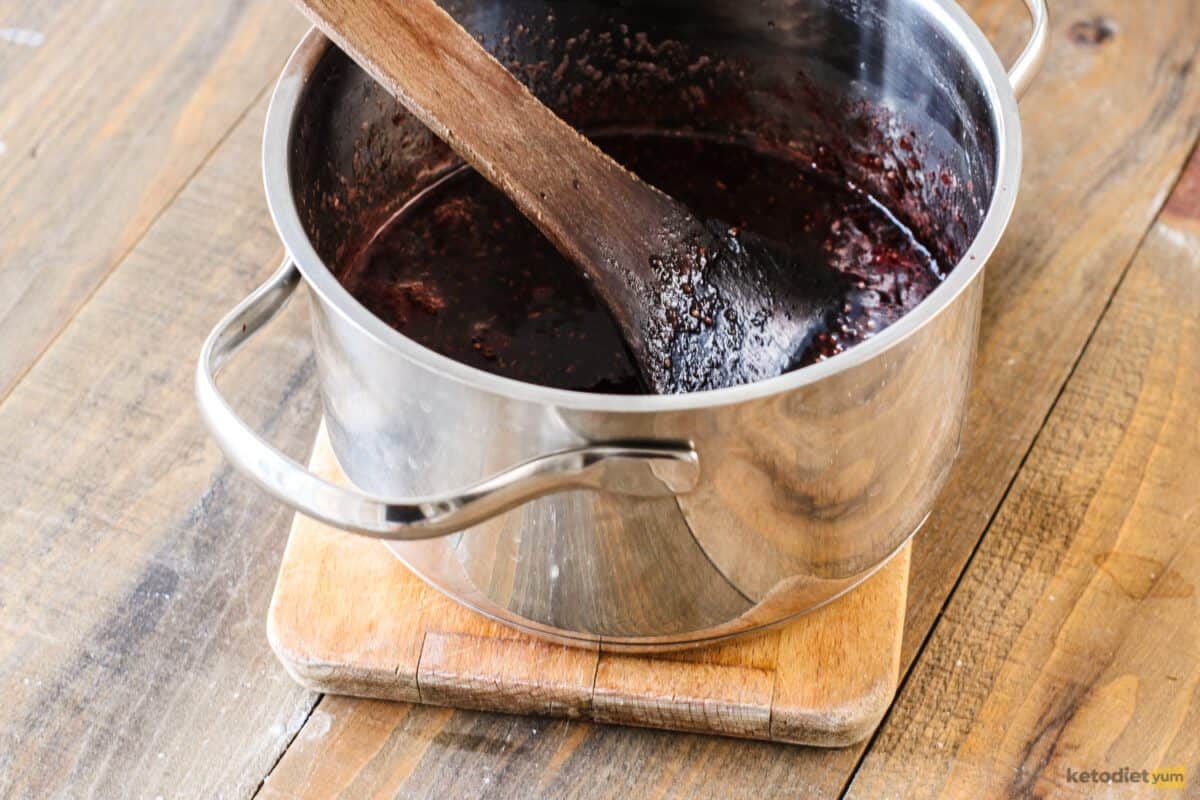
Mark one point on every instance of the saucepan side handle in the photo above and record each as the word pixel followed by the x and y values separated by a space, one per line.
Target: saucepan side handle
pixel 1026 67
pixel 641 470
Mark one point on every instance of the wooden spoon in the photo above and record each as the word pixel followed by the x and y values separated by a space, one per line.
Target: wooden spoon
pixel 701 306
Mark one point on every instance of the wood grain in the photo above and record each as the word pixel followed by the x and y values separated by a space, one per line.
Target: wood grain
pixel 348 618
pixel 109 107
pixel 1072 642
pixel 132 655
pixel 522 676
pixel 1096 175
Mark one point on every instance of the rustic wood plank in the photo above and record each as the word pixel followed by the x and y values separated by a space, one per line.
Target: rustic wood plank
pixel 525 676
pixel 109 107
pixel 1096 175
pixel 1072 643
pixel 679 695
pixel 132 655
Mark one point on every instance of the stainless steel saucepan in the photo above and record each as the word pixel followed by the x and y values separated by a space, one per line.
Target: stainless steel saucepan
pixel 647 522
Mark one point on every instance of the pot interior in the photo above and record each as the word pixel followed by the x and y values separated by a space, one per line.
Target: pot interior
pixel 876 92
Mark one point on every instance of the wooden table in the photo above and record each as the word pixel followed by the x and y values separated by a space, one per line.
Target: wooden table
pixel 1053 622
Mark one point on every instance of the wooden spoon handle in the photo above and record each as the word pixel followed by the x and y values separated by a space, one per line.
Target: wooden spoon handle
pixel 594 211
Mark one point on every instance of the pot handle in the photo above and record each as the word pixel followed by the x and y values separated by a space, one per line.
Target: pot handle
pixel 1030 61
pixel 640 470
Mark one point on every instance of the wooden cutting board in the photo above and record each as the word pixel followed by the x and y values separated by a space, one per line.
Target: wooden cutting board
pixel 348 618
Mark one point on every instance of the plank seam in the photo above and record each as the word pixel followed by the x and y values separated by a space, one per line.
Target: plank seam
pixel 591 698
pixel 288 745
pixel 417 666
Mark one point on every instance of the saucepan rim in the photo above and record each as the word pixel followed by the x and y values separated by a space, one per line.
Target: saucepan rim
pixel 960 29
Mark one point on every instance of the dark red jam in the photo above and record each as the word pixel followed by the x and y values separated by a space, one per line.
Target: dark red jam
pixel 462 272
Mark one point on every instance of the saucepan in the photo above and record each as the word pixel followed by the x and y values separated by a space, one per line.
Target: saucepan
pixel 646 522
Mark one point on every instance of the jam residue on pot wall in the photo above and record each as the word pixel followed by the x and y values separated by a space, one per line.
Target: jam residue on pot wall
pixel 460 271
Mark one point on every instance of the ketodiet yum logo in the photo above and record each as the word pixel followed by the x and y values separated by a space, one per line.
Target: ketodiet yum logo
pixel 1162 778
